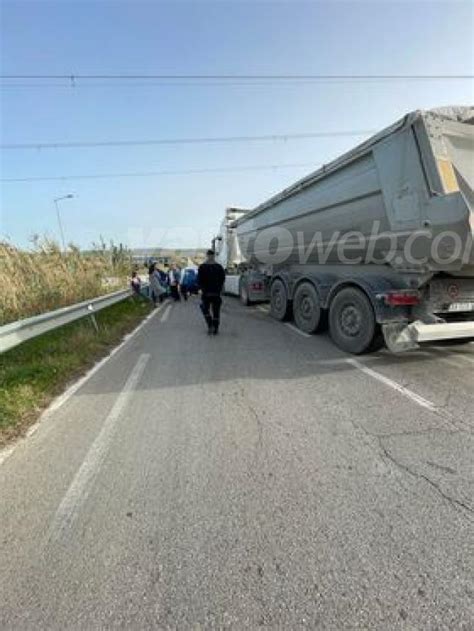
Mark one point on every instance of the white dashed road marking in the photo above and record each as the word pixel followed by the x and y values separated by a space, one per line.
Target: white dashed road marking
pixel 84 478
pixel 166 313
pixel 65 396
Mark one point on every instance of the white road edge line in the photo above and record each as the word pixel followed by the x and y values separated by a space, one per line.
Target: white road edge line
pixel 166 313
pixel 84 478
pixel 296 330
pixel 73 388
pixel 337 361
pixel 409 394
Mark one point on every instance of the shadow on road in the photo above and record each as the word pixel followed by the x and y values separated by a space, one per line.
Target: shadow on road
pixel 251 346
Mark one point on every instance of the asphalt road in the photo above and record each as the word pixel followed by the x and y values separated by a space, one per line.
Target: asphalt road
pixel 261 478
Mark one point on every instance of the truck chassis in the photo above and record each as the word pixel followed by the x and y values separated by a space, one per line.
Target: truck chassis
pixel 362 310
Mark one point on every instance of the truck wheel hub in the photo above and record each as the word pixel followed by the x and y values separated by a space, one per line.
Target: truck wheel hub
pixel 306 307
pixel 350 321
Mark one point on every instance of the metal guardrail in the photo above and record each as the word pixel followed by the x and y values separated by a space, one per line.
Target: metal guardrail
pixel 17 332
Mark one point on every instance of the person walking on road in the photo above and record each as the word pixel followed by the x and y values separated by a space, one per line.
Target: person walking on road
pixel 157 291
pixel 211 277
pixel 188 282
pixel 174 278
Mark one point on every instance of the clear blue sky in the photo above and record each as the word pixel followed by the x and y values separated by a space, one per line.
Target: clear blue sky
pixel 113 37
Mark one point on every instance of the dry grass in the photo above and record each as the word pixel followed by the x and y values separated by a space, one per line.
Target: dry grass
pixel 43 279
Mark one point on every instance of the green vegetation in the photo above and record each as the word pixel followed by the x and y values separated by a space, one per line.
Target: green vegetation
pixel 36 371
pixel 44 278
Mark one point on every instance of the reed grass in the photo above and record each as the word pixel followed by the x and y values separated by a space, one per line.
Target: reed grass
pixel 43 278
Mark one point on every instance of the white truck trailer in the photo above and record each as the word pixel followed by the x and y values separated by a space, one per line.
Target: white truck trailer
pixel 377 244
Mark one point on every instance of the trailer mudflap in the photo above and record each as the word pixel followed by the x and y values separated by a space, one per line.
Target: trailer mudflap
pixel 401 337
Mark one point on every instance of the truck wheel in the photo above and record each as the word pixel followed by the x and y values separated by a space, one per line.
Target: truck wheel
pixel 307 308
pixel 279 306
pixel 352 323
pixel 244 293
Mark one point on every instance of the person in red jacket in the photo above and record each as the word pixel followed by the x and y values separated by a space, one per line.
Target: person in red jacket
pixel 211 277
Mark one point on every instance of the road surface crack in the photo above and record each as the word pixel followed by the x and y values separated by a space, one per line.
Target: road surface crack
pixel 421 476
pixel 258 421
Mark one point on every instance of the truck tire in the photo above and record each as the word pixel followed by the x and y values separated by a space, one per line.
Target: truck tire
pixel 352 323
pixel 279 305
pixel 307 308
pixel 244 293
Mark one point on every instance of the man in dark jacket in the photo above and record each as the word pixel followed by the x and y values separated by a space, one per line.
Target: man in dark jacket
pixel 211 278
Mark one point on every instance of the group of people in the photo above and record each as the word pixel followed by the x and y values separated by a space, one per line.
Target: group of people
pixel 163 283
pixel 175 283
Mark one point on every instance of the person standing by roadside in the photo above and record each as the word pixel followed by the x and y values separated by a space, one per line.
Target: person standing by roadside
pixel 164 278
pixel 157 291
pixel 159 283
pixel 136 284
pixel 151 295
pixel 211 277
pixel 174 278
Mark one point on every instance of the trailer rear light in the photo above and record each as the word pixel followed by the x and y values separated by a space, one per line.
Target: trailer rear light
pixel 402 298
pixel 257 286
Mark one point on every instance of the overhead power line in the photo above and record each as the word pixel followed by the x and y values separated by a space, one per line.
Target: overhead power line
pixel 99 176
pixel 235 77
pixel 158 85
pixel 179 141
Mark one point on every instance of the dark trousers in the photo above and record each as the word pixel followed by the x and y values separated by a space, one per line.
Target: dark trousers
pixel 175 292
pixel 211 309
pixel 156 298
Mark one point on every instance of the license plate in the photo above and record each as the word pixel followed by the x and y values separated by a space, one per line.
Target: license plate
pixel 462 306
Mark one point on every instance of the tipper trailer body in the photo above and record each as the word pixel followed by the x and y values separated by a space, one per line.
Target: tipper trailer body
pixel 377 243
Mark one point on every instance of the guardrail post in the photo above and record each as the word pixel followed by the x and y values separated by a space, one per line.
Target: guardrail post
pixel 18 332
pixel 93 318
